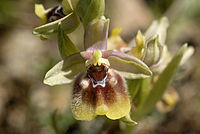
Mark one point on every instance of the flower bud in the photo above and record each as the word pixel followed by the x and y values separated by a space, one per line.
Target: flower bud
pixel 152 51
pixel 88 10
pixel 96 34
pixel 158 27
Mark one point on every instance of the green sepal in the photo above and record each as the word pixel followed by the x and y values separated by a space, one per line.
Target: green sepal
pixel 129 66
pixel 65 45
pixel 65 71
pixel 160 86
pixel 69 23
pixel 90 9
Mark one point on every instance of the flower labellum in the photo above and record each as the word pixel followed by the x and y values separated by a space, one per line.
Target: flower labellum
pixel 99 91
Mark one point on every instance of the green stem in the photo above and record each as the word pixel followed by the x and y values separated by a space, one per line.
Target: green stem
pixel 54 122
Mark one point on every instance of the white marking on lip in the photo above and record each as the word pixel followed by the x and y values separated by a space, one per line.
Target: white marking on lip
pixel 84 84
pixel 99 83
pixel 113 81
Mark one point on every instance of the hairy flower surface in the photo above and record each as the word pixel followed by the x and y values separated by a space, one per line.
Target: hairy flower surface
pixel 98 75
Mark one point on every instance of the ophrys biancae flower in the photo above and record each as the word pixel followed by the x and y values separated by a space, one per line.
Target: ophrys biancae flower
pixel 98 75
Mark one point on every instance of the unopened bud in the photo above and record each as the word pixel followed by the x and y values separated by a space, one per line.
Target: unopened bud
pixel 89 10
pixel 152 51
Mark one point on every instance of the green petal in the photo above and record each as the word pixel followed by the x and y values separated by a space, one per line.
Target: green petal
pixel 69 23
pixel 65 71
pixel 41 12
pixel 65 45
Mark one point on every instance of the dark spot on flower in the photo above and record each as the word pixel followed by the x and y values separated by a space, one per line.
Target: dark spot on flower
pixel 55 14
pixel 98 75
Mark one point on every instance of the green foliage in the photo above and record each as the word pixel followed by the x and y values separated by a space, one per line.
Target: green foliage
pixel 160 86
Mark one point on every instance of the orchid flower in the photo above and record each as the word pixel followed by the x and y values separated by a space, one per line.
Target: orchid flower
pixel 152 50
pixel 52 17
pixel 98 75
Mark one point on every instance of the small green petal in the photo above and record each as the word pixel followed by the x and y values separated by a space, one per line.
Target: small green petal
pixel 41 12
pixel 137 50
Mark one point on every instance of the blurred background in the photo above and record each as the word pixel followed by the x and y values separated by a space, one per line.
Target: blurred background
pixel 27 106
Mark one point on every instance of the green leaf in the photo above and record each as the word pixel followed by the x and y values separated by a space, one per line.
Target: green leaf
pixel 160 86
pixel 65 45
pixel 65 71
pixel 127 120
pixel 69 23
pixel 90 9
